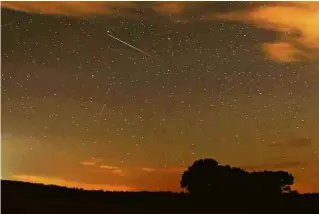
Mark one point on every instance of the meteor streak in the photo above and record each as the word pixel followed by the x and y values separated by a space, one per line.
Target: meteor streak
pixel 129 45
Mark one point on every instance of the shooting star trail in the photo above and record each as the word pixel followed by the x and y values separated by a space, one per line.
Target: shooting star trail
pixel 129 45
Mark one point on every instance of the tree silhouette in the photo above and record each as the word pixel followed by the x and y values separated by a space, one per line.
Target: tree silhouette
pixel 206 176
pixel 271 183
pixel 200 178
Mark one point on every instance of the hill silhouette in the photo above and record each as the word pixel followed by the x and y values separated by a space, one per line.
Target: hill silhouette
pixel 211 188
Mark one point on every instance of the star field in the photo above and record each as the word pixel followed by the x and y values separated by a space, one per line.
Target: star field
pixel 80 108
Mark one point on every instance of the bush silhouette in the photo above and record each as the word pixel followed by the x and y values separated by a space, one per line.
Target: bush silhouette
pixel 206 177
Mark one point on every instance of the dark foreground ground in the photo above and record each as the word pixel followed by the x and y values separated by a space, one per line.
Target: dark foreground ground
pixel 19 197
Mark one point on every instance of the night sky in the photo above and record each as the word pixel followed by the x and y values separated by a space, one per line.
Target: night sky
pixel 237 82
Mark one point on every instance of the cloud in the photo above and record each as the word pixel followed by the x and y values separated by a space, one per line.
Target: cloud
pixel 164 169
pixel 118 172
pixel 95 163
pixel 70 184
pixel 88 163
pixel 68 8
pixel 283 52
pixel 148 169
pixel 275 166
pixel 297 23
pixel 169 7
pixel 288 164
pixel 91 162
pixel 96 8
pixel 114 169
pixel 294 143
pixel 108 167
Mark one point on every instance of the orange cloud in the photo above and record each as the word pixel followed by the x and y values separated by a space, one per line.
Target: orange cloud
pixel 77 8
pixel 91 162
pixel 297 22
pixel 164 169
pixel 145 169
pixel 94 163
pixel 74 8
pixel 169 7
pixel 283 52
pixel 118 172
pixel 275 166
pixel 109 167
pixel 114 169
pixel 70 184
pixel 88 163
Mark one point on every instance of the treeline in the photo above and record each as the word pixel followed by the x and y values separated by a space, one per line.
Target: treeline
pixel 207 177
pixel 210 188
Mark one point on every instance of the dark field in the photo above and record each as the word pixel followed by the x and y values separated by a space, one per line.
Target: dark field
pixel 19 197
